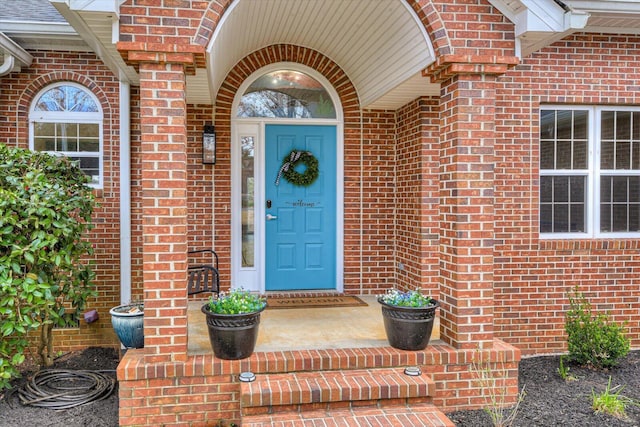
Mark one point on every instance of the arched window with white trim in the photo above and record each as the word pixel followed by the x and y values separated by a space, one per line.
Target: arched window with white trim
pixel 286 94
pixel 66 119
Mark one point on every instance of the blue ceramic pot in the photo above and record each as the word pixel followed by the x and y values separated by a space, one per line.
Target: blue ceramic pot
pixel 128 322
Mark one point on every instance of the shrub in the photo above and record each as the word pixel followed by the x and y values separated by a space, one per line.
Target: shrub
pixel 593 339
pixel 45 210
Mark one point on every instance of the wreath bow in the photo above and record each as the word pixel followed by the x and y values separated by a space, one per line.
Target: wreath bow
pixel 288 168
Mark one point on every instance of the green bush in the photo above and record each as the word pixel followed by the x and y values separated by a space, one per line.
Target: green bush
pixel 45 210
pixel 593 339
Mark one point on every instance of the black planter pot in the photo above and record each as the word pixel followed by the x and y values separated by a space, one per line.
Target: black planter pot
pixel 408 328
pixel 232 336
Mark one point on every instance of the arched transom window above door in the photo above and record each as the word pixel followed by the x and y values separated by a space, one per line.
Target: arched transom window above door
pixel 286 94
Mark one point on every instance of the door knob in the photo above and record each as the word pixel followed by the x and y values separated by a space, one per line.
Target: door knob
pixel 271 217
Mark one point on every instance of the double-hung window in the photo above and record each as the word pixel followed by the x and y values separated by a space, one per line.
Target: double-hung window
pixel 589 172
pixel 66 120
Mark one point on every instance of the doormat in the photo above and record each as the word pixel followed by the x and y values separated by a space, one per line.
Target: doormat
pixel 328 301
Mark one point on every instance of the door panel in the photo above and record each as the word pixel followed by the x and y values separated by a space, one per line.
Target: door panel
pixel 300 229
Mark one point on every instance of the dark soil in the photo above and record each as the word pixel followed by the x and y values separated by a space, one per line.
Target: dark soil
pixel 550 401
pixel 103 413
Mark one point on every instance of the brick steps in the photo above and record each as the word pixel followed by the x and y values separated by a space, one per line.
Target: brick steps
pixel 422 415
pixel 384 396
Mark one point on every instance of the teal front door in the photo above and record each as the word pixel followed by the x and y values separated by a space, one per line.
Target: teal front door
pixel 300 222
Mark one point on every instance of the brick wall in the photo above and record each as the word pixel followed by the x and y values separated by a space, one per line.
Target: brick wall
pixel 164 183
pixel 136 198
pixel 417 195
pixel 373 222
pixel 533 276
pixel 471 28
pixel 18 91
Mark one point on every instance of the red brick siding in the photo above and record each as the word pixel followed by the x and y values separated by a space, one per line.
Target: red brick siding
pixel 533 276
pixel 161 22
pixel 164 208
pixel 472 27
pixel 18 92
pixel 466 209
pixel 200 177
pixel 417 195
pixel 373 224
pixel 136 198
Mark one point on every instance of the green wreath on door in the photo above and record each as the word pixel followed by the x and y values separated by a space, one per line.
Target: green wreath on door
pixel 288 168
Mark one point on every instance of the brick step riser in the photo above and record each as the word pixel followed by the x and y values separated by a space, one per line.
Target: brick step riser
pixel 334 386
pixel 331 406
pixel 418 415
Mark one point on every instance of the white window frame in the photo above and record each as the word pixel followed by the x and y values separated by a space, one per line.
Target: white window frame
pixel 70 117
pixel 593 174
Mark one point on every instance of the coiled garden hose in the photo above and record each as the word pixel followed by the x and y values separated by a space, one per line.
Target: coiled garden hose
pixel 63 389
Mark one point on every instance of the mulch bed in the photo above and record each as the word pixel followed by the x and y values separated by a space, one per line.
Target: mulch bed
pixel 550 401
pixel 103 413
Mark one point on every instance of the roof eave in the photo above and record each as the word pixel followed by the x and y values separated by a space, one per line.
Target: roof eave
pixel 541 22
pixel 9 47
pixel 75 11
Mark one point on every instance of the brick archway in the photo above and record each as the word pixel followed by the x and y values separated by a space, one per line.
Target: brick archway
pixel 286 53
pixel 28 94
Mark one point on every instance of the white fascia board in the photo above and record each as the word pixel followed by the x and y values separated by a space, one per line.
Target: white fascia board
pixel 49 29
pixel 540 16
pixel 545 19
pixel 12 49
pixel 531 15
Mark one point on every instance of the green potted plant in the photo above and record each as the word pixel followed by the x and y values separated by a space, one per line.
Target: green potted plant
pixel 408 318
pixel 233 319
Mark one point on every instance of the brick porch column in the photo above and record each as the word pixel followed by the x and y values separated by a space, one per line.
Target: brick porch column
pixel 164 195
pixel 467 137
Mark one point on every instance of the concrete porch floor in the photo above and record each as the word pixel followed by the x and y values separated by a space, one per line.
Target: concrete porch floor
pixel 306 328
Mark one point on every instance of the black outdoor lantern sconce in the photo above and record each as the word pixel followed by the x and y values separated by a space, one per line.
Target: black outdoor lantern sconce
pixel 209 145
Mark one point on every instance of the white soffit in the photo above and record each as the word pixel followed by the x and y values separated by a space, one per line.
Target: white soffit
pixel 379 44
pixel 539 23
